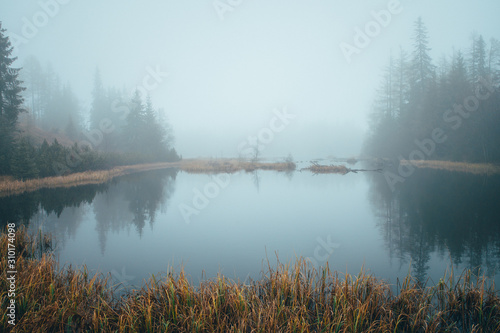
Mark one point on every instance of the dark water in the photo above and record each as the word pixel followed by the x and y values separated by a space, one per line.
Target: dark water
pixel 147 223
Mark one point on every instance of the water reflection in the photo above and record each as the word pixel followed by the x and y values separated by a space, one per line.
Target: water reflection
pixel 432 219
pixel 455 215
pixel 134 201
pixel 22 208
pixel 131 200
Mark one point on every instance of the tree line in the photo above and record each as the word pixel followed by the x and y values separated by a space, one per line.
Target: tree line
pixel 121 129
pixel 449 111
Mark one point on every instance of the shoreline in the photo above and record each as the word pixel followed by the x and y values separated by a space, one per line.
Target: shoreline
pixel 9 186
pixel 473 168
pixel 14 187
pixel 286 298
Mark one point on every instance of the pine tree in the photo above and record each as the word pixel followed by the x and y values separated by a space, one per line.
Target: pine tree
pixel 422 68
pixel 402 82
pixel 23 162
pixel 43 160
pixel 62 108
pixel 478 58
pixel 494 61
pixel 134 127
pixel 50 92
pixel 99 101
pixel 387 101
pixel 154 134
pixel 458 78
pixel 10 101
pixel 32 75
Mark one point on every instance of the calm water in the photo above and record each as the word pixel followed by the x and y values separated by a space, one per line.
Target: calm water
pixel 144 223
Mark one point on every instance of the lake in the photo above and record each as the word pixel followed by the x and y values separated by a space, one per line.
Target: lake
pixel 151 222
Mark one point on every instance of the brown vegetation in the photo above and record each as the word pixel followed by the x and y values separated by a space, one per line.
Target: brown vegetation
pixel 37 135
pixel 231 166
pixel 286 299
pixel 474 168
pixel 10 186
pixel 316 168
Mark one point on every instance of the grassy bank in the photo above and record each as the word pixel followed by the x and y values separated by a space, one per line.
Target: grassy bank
pixel 474 168
pixel 10 186
pixel 316 168
pixel 232 166
pixel 286 299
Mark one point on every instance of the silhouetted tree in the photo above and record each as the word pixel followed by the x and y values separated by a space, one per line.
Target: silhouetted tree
pixel 23 162
pixel 416 97
pixel 10 101
pixel 99 102
pixel 421 66
pixel 478 58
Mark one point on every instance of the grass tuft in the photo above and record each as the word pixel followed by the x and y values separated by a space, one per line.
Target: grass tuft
pixel 287 298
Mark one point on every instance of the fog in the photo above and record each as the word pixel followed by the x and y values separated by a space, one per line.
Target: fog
pixel 220 70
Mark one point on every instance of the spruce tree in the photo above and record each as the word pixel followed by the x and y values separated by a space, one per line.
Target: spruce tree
pixel 23 162
pixel 478 65
pixel 99 107
pixel 422 68
pixel 43 160
pixel 10 101
pixel 133 131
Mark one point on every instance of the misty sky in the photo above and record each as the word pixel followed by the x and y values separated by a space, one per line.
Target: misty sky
pixel 226 76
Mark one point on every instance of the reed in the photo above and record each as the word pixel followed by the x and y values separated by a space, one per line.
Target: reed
pixel 287 298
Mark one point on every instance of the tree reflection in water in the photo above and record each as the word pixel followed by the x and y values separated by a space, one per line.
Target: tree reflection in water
pixel 452 214
pixel 131 200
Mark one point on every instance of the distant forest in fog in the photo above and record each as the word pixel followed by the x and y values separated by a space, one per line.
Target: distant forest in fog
pixel 36 110
pixel 449 111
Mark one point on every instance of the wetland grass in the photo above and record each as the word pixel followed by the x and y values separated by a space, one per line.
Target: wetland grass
pixel 474 168
pixel 287 298
pixel 316 168
pixel 11 186
pixel 232 166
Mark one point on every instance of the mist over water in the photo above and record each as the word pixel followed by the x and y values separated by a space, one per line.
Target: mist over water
pixel 382 119
pixel 134 227
pixel 223 67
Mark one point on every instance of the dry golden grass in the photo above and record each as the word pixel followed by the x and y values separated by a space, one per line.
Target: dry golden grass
pixel 6 178
pixel 37 135
pixel 316 168
pixel 231 166
pixel 474 168
pixel 10 186
pixel 289 298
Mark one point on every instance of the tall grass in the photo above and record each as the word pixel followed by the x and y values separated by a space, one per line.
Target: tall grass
pixel 287 298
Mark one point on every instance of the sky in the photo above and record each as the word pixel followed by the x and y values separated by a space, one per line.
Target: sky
pixel 229 73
